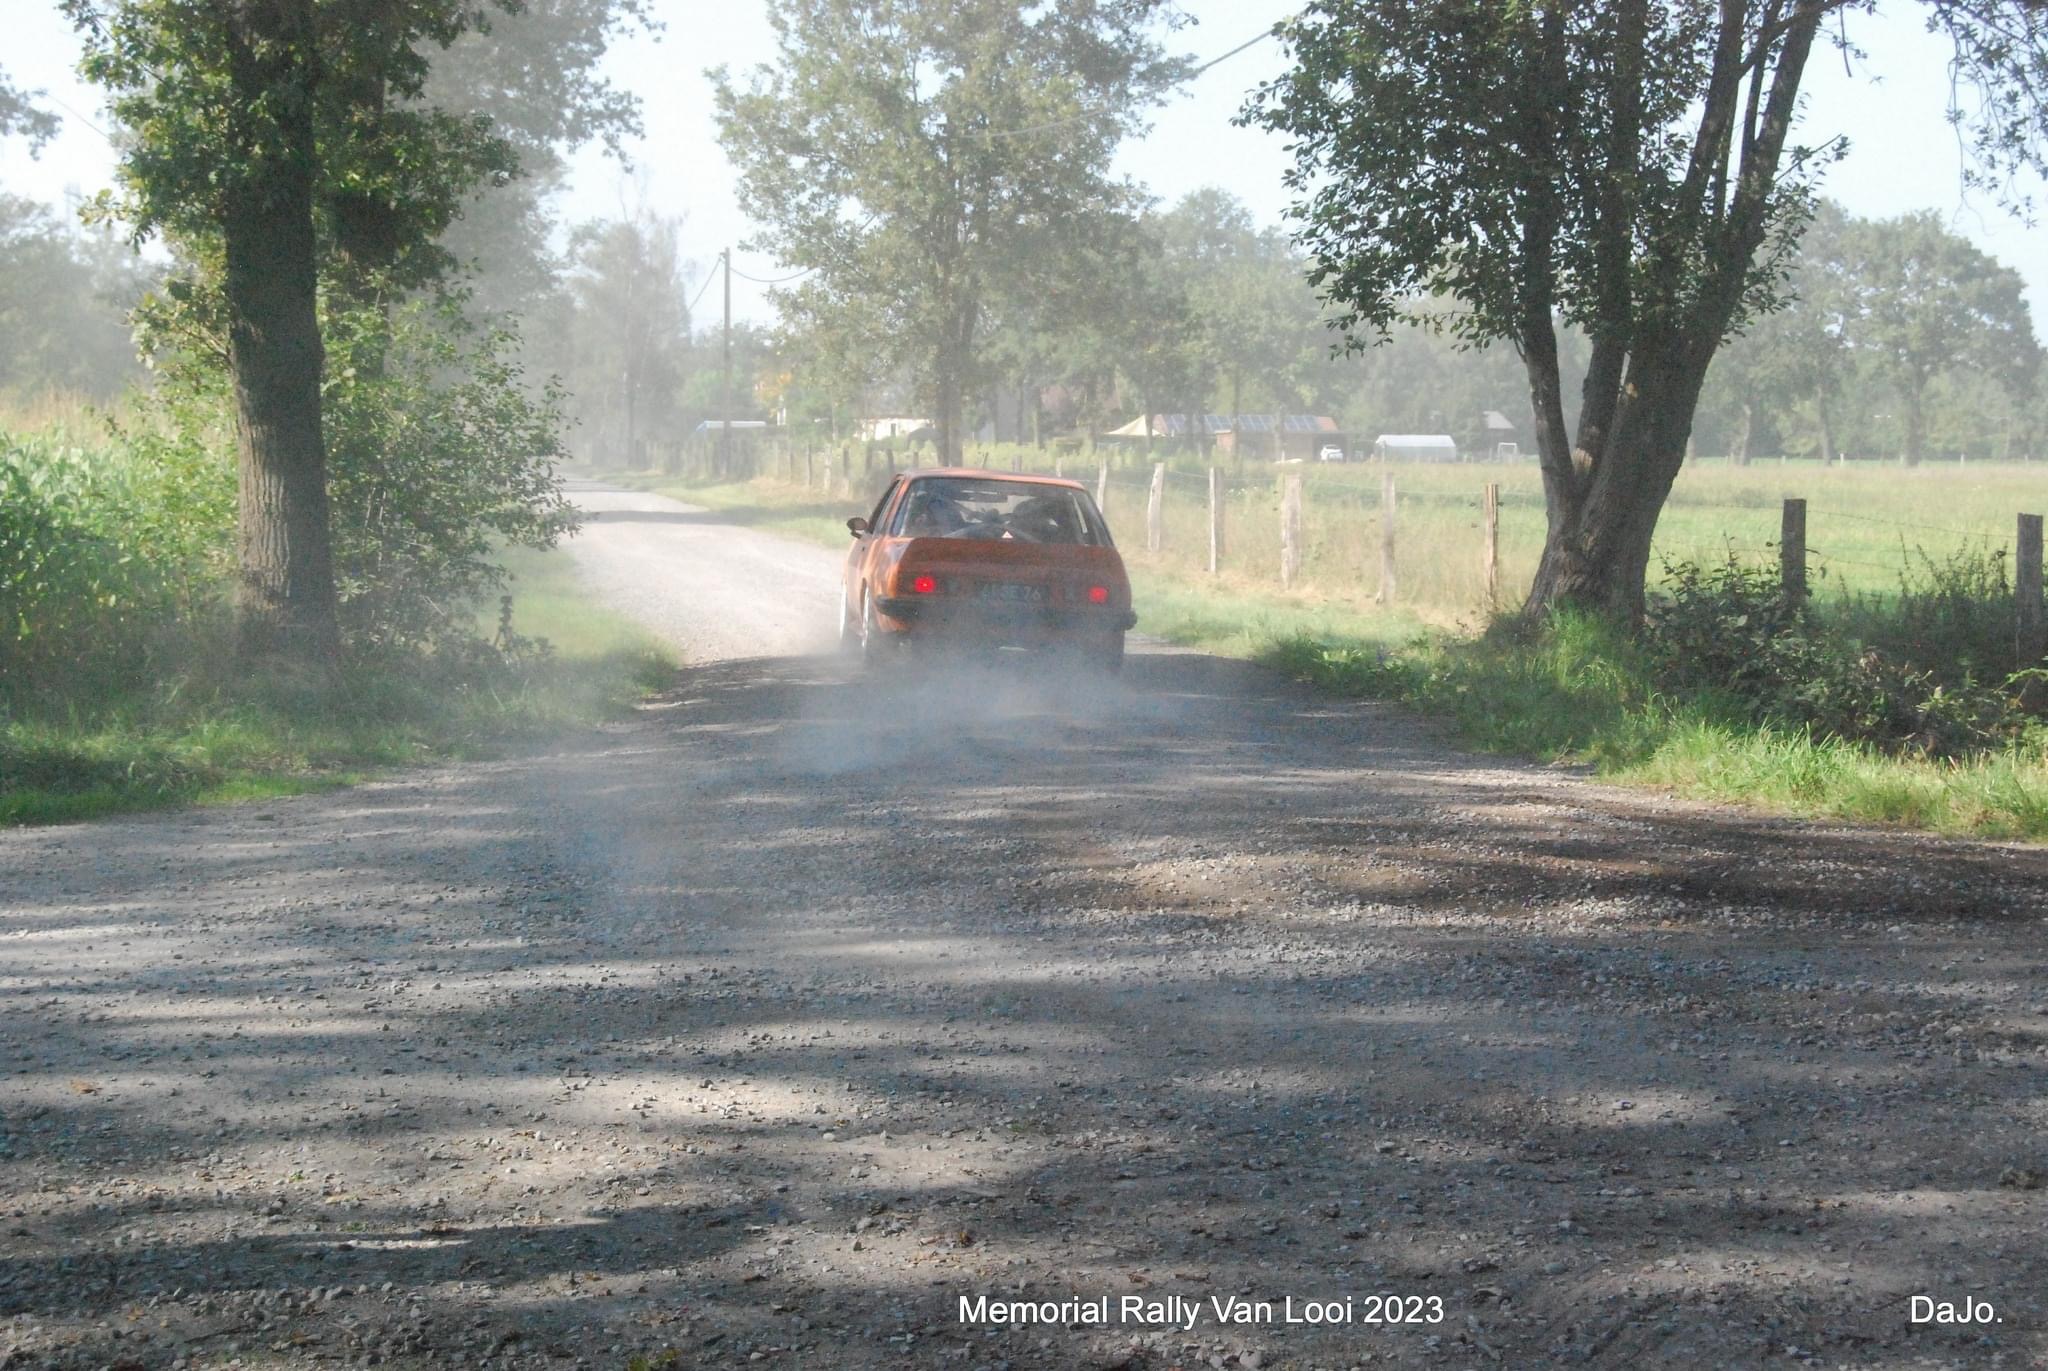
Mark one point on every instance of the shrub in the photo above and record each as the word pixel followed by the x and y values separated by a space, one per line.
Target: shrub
pixel 1729 632
pixel 1952 616
pixel 440 457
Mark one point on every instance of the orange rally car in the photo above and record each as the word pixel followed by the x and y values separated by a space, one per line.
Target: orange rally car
pixel 955 556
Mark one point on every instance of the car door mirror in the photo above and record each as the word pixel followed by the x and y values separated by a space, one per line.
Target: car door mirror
pixel 856 525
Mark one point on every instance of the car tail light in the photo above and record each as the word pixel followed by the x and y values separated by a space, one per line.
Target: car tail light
pixel 1098 595
pixel 925 585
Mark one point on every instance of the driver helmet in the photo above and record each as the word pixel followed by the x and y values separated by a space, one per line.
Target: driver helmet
pixel 932 513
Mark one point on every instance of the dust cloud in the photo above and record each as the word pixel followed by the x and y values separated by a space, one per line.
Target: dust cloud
pixel 957 717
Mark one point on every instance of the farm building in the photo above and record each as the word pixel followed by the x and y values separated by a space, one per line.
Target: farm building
pixel 881 430
pixel 742 429
pixel 1500 434
pixel 1415 447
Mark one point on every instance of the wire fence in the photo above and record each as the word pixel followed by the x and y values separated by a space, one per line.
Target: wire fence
pixel 1432 537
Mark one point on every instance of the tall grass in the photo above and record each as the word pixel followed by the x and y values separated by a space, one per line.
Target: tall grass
pixel 103 546
pixel 118 686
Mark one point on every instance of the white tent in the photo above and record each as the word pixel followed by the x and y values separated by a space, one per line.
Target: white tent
pixel 1415 447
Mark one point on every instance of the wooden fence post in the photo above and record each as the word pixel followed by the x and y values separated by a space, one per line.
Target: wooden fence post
pixel 1215 520
pixel 1385 594
pixel 1155 510
pixel 2029 638
pixel 1101 483
pixel 1792 550
pixel 1290 529
pixel 1491 514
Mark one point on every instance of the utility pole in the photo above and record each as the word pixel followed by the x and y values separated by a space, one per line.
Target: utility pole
pixel 725 385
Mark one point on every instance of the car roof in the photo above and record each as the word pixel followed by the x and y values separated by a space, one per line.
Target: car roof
pixel 984 474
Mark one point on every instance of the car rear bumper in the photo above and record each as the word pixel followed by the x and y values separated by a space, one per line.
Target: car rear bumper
pixel 923 613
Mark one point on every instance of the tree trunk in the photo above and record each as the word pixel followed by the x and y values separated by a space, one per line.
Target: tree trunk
pixel 951 370
pixel 1827 427
pixel 947 420
pixel 1916 424
pixel 1596 552
pixel 1658 319
pixel 285 597
pixel 1744 434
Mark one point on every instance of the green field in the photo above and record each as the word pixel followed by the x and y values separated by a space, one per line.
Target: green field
pixel 1866 522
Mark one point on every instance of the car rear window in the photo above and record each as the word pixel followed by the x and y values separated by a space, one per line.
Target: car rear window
pixel 966 507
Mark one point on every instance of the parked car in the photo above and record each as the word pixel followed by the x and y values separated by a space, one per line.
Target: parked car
pixel 1330 453
pixel 981 560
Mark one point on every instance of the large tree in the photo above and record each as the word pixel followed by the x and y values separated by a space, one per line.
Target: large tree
pixel 1625 166
pixel 630 336
pixel 1258 327
pixel 1796 359
pixel 535 73
pixel 221 99
pixel 285 145
pixel 912 156
pixel 65 294
pixel 1930 302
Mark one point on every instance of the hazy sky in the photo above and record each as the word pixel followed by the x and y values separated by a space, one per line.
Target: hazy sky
pixel 1904 156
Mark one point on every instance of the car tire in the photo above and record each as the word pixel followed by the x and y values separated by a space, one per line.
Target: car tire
pixel 1109 656
pixel 874 644
pixel 849 630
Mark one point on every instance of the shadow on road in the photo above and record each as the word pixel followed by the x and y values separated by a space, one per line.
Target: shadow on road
pixel 814 1001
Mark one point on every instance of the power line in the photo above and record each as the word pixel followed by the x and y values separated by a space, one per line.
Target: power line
pixel 1247 43
pixel 1251 42
pixel 691 308
pixel 775 281
pixel 59 103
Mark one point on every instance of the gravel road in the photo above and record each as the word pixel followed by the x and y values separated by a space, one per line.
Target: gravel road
pixel 764 1029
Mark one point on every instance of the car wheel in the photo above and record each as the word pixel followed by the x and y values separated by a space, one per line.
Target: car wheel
pixel 849 630
pixel 874 644
pixel 1109 656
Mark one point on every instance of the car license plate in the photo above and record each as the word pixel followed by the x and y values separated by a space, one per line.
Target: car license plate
pixel 1010 593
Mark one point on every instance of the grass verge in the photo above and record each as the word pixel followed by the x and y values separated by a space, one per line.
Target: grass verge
pixel 203 734
pixel 1581 694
